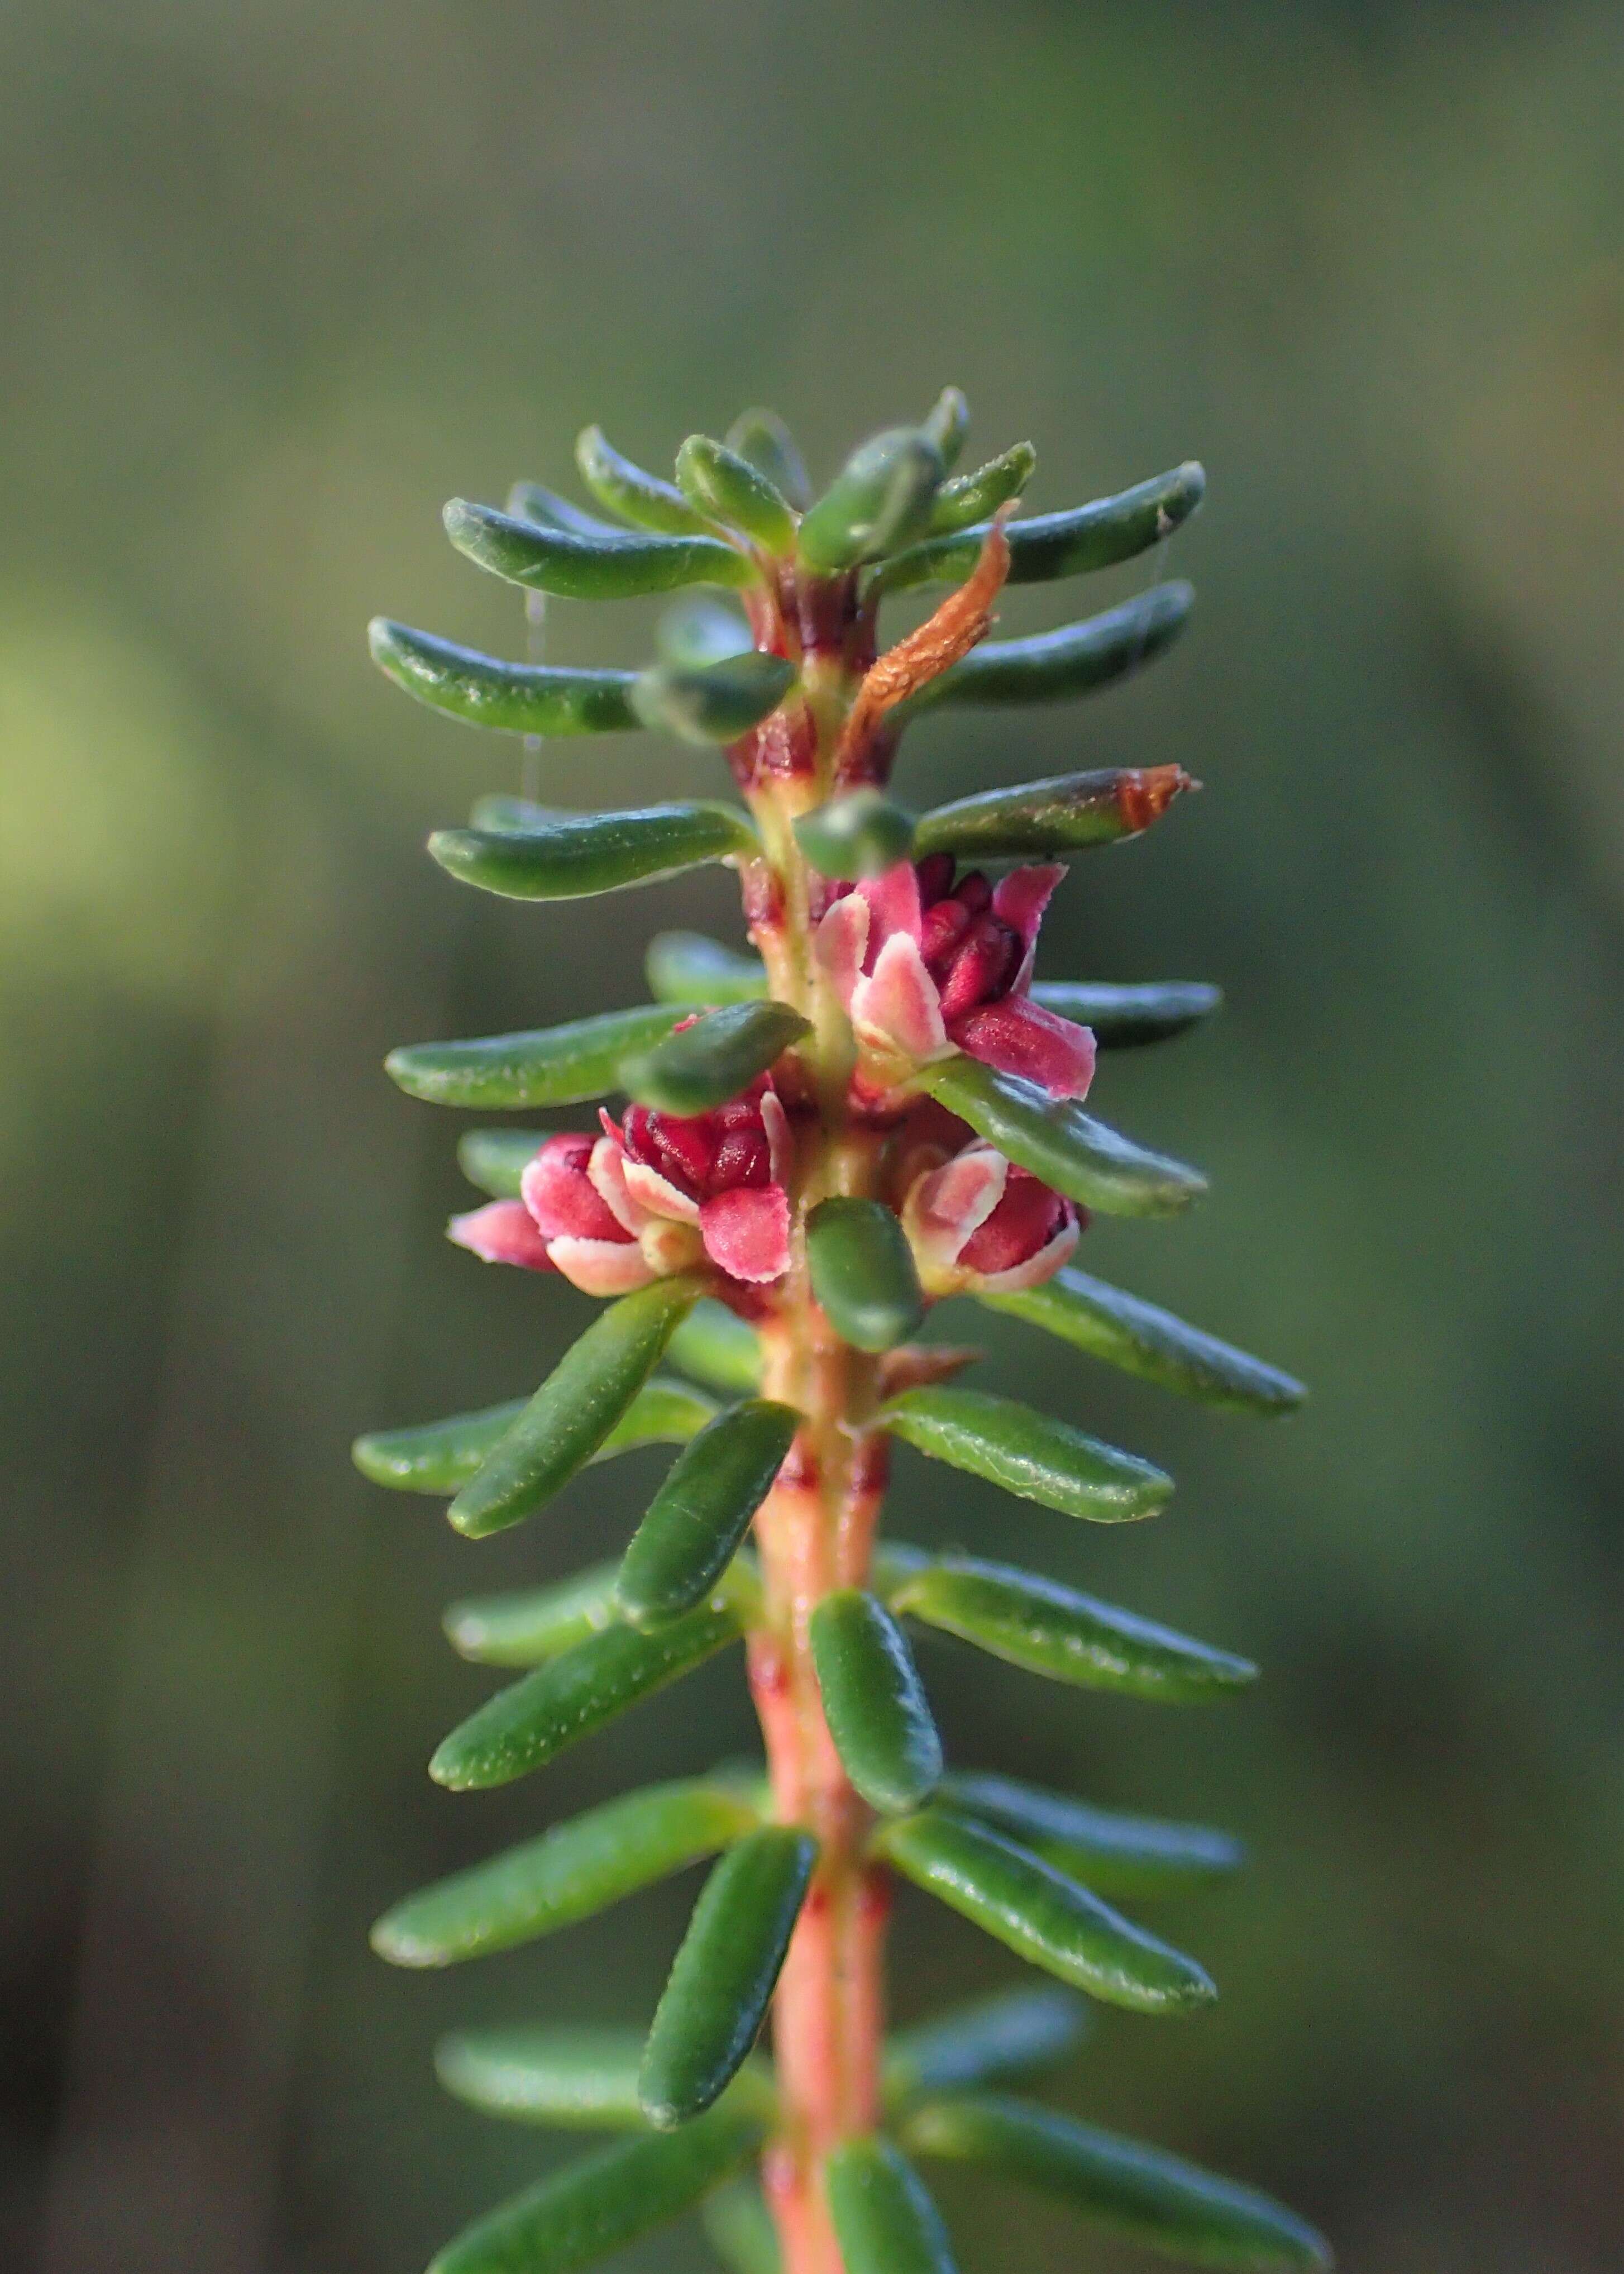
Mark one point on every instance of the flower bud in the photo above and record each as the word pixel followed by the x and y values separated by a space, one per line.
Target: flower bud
pixel 977 1223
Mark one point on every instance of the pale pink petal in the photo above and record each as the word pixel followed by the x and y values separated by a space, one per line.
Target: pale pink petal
pixel 957 1200
pixel 558 1189
pixel 897 1007
pixel 501 1233
pixel 746 1232
pixel 780 1144
pixel 607 1171
pixel 602 1266
pixel 1036 1269
pixel 841 941
pixel 1019 1037
pixel 1020 901
pixel 893 897
pixel 657 1195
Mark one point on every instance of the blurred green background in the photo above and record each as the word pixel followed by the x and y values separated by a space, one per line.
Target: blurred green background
pixel 278 278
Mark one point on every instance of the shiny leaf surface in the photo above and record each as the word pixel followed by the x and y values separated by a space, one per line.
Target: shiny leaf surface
pixel 546 1066
pixel 711 1061
pixel 516 699
pixel 1114 1854
pixel 573 855
pixel 698 1519
pixel 1060 1143
pixel 1068 544
pixel 863 1273
pixel 589 568
pixel 873 1702
pixel 1028 1453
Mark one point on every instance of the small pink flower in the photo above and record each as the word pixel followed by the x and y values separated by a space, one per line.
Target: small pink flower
pixel 978 1222
pixel 661 1193
pixel 924 968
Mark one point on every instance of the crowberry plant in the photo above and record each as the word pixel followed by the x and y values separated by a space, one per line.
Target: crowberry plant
pixel 878 1107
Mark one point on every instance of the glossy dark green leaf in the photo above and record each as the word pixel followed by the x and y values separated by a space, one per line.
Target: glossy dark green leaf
pixel 1052 544
pixel 881 498
pixel 1055 666
pixel 515 698
pixel 739 2228
pixel 725 485
pixel 550 1066
pixel 568 2079
pixel 573 2217
pixel 698 628
pixel 640 498
pixel 686 968
pixel 762 439
pixel 947 423
pixel 1061 815
pixel 590 568
pixel 1068 1148
pixel 1123 1018
pixel 580 854
pixel 863 1273
pixel 710 702
pixel 1001 2038
pixel 883 2219
pixel 527 1725
pixel 1135 2190
pixel 567 1874
pixel 440 1457
pixel 712 1060
pixel 1028 1453
pixel 697 1520
pixel 1114 1854
pixel 1050 1628
pixel 496 1159
pixel 566 1420
pixel 860 835
pixel 873 1702
pixel 719 1347
pixel 723 1974
pixel 1021 1901
pixel 529 501
pixel 977 496
pixel 1143 1339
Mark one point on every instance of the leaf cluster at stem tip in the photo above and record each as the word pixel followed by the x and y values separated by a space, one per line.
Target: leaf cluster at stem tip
pixel 789 1156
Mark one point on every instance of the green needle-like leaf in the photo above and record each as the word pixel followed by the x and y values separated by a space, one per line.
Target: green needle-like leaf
pixel 1061 815
pixel 863 1273
pixel 529 501
pixel 570 2079
pixel 515 698
pixel 441 1456
pixel 724 1975
pixel 883 2219
pixel 1114 1854
pixel 857 836
pixel 550 1065
pixel 1059 665
pixel 739 2228
pixel 526 1726
pixel 529 1625
pixel 573 2217
pixel 1143 1339
pixel 879 499
pixel 996 2040
pixel 1021 1900
pixel 715 702
pixel 1135 2190
pixel 686 968
pixel 725 485
pixel 698 1519
pixel 947 423
pixel 698 628
pixel 569 1873
pixel 873 1702
pixel 590 568
pixel 1059 1142
pixel 762 438
pixel 1050 1628
pixel 1028 1453
pixel 712 1060
pixel 640 498
pixel 976 497
pixel 496 1159
pixel 1123 1018
pixel 573 855
pixel 719 1347
pixel 1053 544
pixel 566 1420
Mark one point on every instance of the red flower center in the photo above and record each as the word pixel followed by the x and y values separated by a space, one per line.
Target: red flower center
pixel 703 1154
pixel 1026 1219
pixel 973 955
